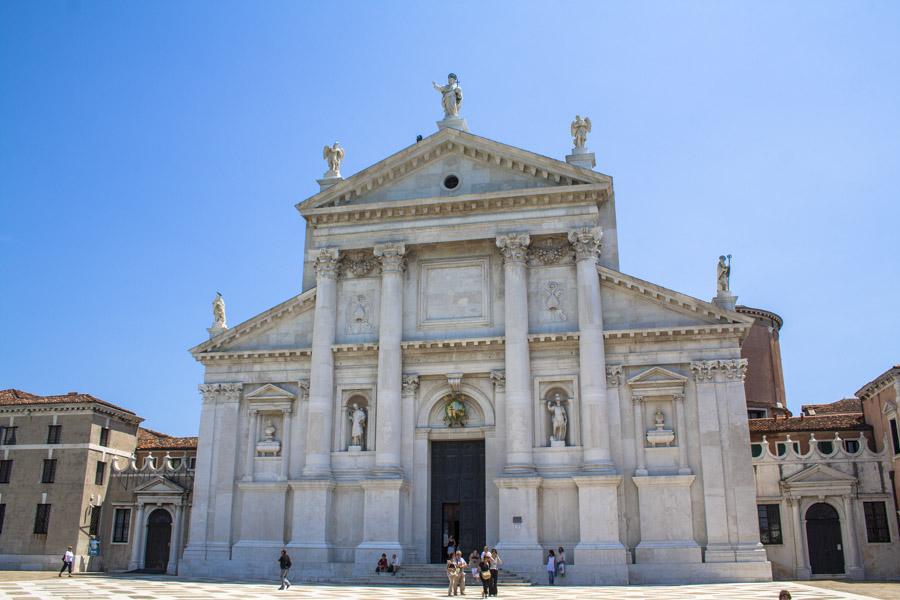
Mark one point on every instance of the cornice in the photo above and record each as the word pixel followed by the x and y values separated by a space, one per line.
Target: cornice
pixel 444 142
pixel 879 383
pixel 761 313
pixel 466 204
pixel 80 407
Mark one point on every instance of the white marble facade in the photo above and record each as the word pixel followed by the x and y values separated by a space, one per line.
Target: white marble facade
pixel 503 292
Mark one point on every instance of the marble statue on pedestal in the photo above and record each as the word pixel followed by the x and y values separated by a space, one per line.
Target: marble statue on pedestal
pixel 559 420
pixel 218 307
pixel 357 426
pixel 268 446
pixel 580 128
pixel 723 273
pixel 451 96
pixel 333 155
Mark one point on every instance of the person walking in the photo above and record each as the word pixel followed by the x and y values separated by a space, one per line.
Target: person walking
pixel 461 565
pixel 551 566
pixel 68 560
pixel 451 548
pixel 484 572
pixel 561 562
pixel 495 570
pixel 284 561
pixel 452 576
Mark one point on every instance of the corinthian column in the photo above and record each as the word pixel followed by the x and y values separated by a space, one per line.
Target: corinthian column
pixel 321 377
pixel 519 412
pixel 390 359
pixel 591 351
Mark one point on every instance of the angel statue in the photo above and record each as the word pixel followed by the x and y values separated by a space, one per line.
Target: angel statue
pixel 452 96
pixel 218 307
pixel 334 156
pixel 559 419
pixel 357 425
pixel 580 129
pixel 723 273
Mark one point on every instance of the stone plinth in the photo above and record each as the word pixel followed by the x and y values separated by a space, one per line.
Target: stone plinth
pixel 725 300
pixel 580 157
pixel 667 534
pixel 453 123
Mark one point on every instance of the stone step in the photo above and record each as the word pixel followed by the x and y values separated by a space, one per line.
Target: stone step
pixel 426 575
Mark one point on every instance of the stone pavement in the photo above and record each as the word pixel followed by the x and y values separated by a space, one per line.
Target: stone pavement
pixel 149 588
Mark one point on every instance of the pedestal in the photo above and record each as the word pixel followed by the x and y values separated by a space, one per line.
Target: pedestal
pixel 216 330
pixel 598 521
pixel 309 526
pixel 667 534
pixel 580 157
pixel 327 182
pixel 385 500
pixel 453 123
pixel 725 300
pixel 518 544
pixel 557 443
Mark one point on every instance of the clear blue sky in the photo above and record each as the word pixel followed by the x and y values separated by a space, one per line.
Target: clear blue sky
pixel 151 154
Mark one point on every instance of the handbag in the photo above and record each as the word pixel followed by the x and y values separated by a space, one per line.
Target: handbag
pixel 486 575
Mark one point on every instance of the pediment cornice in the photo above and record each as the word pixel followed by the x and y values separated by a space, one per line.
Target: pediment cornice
pixel 440 144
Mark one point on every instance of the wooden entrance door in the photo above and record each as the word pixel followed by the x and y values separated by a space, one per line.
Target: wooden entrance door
pixel 159 534
pixel 823 537
pixel 457 497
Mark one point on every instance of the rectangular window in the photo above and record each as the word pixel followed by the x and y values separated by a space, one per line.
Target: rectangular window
pixel 42 518
pixel 876 523
pixel 2 516
pixel 8 436
pixel 101 471
pixel 94 528
pixel 756 413
pixel 769 523
pixel 104 436
pixel 851 445
pixel 121 524
pixel 49 473
pixel 5 470
pixel 192 462
pixel 895 436
pixel 53 433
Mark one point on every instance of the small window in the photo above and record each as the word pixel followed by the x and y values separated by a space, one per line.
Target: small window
pixel 769 523
pixel 8 436
pixel 781 447
pixel 53 434
pixel 851 445
pixel 756 450
pixel 876 523
pixel 101 471
pixel 104 436
pixel 756 413
pixel 94 528
pixel 176 463
pixel 5 470
pixel 451 182
pixel 48 475
pixel 895 436
pixel 2 516
pixel 121 524
pixel 192 462
pixel 826 447
pixel 42 518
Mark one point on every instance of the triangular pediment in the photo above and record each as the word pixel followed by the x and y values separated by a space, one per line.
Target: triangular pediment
pixel 269 392
pixel 820 474
pixel 657 376
pixel 288 325
pixel 630 303
pixel 159 485
pixel 482 166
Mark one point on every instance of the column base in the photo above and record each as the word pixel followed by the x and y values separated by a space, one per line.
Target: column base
pixel 612 553
pixel 309 552
pixel 719 553
pixel 311 515
pixel 664 551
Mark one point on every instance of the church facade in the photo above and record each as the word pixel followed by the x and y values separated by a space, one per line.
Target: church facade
pixel 467 360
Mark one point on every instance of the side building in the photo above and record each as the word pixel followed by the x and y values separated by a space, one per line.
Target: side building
pixel 54 474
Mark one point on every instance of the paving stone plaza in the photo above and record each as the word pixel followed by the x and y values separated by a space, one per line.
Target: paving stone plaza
pixel 45 588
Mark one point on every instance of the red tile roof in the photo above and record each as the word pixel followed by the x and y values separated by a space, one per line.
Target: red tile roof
pixel 149 439
pixel 838 422
pixel 13 397
pixel 847 406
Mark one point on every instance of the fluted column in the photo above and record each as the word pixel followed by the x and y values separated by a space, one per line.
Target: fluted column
pixel 390 359
pixel 519 411
pixel 251 444
pixel 591 351
pixel 321 377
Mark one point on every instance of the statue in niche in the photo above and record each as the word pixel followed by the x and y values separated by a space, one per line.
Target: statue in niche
pixel 723 273
pixel 558 419
pixel 218 307
pixel 269 432
pixel 455 412
pixel 359 315
pixel 580 128
pixel 333 155
pixel 660 419
pixel 451 96
pixel 357 425
pixel 268 445
pixel 553 301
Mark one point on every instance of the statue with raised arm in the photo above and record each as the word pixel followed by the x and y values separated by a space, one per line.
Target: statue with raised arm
pixel 580 128
pixel 723 273
pixel 333 156
pixel 559 419
pixel 218 307
pixel 451 96
pixel 357 425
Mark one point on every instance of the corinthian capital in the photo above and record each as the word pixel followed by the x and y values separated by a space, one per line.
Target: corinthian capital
pixel 392 257
pixel 221 392
pixel 499 380
pixel 614 375
pixel 704 370
pixel 327 263
pixel 514 246
pixel 586 242
pixel 410 384
pixel 734 369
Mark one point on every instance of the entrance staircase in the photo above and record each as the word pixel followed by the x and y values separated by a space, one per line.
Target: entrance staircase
pixel 421 575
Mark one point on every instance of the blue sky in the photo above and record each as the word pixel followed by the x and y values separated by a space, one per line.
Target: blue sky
pixel 151 154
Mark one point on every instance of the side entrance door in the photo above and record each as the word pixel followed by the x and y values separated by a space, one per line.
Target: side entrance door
pixel 457 497
pixel 159 534
pixel 823 535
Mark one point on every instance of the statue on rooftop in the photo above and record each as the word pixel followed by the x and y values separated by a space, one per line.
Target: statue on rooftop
pixel 218 307
pixel 580 128
pixel 723 273
pixel 333 156
pixel 451 96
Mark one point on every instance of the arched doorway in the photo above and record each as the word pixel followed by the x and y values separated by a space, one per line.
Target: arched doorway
pixel 159 535
pixel 823 538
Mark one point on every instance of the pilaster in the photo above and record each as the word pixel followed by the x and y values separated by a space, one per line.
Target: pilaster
pixel 312 514
pixel 518 544
pixel 598 521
